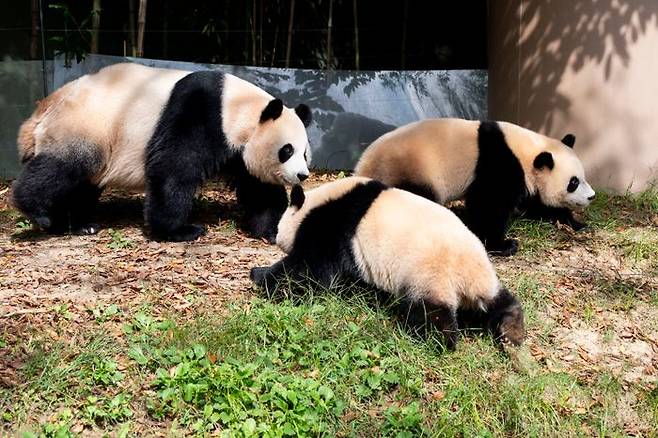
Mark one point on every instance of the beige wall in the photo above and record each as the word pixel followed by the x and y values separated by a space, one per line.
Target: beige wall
pixel 589 67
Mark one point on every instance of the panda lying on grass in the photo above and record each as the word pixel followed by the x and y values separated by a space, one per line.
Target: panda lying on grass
pixel 401 243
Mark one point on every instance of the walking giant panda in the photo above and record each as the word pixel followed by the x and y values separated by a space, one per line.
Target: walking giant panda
pixel 165 132
pixel 402 244
pixel 494 166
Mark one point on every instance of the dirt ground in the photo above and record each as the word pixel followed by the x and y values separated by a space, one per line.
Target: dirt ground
pixel 593 295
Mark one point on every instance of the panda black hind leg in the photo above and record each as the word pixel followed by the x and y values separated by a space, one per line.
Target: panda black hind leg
pixel 417 316
pixel 502 317
pixel 55 191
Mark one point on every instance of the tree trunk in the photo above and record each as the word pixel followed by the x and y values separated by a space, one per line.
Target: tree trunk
pixel 131 27
pixel 253 32
pixel 356 36
pixel 329 26
pixel 289 43
pixel 403 48
pixel 276 39
pixel 165 29
pixel 260 32
pixel 141 24
pixel 34 36
pixel 95 25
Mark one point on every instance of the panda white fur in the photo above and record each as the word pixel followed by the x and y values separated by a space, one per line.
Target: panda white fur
pixel 401 243
pixel 165 132
pixel 496 167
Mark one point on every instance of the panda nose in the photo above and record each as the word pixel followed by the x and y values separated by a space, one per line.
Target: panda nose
pixel 591 197
pixel 302 176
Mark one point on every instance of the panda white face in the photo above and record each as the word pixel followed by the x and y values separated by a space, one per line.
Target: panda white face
pixel 278 152
pixel 294 163
pixel 561 180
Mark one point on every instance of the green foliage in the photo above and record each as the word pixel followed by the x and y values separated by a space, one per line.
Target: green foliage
pixel 23 225
pixel 106 314
pixel 105 372
pixel 76 39
pixel 119 241
pixel 283 387
pixel 404 422
pixel 59 427
pixel 106 410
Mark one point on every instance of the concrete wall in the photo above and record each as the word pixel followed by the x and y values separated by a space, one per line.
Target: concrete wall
pixel 584 66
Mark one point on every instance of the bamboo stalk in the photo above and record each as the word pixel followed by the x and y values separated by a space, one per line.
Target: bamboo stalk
pixel 290 21
pixel 141 24
pixel 131 27
pixel 34 36
pixel 356 36
pixel 403 48
pixel 95 25
pixel 329 26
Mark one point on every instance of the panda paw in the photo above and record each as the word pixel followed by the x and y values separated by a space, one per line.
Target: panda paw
pixel 506 248
pixel 86 229
pixel 186 233
pixel 577 226
pixel 257 275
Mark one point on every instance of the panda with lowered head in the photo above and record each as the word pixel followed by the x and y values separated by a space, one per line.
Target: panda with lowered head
pixel 401 243
pixel 164 132
pixel 496 167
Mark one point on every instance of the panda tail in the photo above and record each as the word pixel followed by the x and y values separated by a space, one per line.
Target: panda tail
pixel 26 142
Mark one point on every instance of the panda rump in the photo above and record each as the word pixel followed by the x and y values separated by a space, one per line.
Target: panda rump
pixel 403 244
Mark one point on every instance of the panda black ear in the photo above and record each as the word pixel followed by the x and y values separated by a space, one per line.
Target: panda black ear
pixel 304 113
pixel 297 196
pixel 272 111
pixel 569 140
pixel 544 159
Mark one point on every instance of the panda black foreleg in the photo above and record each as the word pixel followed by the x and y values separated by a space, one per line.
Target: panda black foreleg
pixel 533 208
pixel 286 272
pixel 489 223
pixel 418 316
pixel 169 201
pixel 263 205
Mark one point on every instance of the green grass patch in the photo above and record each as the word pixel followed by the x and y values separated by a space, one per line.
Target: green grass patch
pixel 323 366
pixel 609 211
pixel 638 245
pixel 118 240
pixel 534 235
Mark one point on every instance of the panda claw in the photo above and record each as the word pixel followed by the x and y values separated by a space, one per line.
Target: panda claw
pixel 257 274
pixel 87 230
pixel 43 222
pixel 506 248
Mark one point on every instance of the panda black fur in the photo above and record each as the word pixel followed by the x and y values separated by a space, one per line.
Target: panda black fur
pixel 164 132
pixel 402 244
pixel 496 167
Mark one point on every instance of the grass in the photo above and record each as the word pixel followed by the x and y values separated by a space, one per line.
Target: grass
pixel 335 363
pixel 326 366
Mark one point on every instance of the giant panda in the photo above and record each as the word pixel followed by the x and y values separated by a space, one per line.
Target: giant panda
pixel 496 167
pixel 163 132
pixel 400 243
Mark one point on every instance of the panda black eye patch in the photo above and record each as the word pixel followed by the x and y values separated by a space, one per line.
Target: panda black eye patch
pixel 286 152
pixel 573 184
